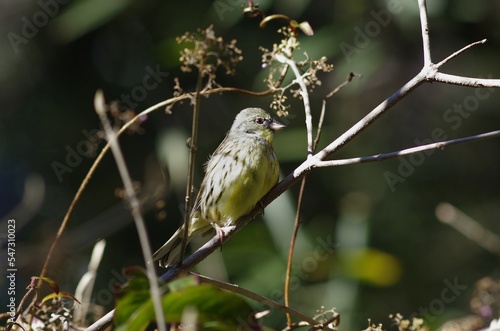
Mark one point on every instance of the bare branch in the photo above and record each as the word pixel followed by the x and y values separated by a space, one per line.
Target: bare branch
pixel 460 51
pixel 408 151
pixel 440 77
pixel 340 86
pixel 192 155
pixel 360 125
pixel 291 248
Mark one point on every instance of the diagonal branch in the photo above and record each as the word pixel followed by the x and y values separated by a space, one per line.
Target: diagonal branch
pixel 215 242
pixel 357 128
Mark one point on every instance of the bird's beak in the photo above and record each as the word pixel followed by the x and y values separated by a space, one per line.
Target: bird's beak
pixel 275 125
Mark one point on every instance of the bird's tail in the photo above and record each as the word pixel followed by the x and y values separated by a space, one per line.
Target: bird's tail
pixel 169 254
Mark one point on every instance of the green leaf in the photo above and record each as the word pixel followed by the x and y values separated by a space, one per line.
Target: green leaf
pixel 211 303
pixel 133 294
pixel 213 308
pixel 52 284
pixel 181 283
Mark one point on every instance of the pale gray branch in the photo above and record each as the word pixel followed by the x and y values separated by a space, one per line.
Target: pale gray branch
pixel 305 97
pixel 424 24
pixel 407 151
pixel 460 51
pixel 440 77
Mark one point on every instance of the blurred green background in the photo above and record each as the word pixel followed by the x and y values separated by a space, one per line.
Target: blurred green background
pixel 366 247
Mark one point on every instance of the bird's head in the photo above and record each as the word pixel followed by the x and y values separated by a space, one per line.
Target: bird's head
pixel 256 121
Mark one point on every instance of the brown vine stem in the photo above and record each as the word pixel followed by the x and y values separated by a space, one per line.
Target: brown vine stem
pixel 192 154
pixel 291 249
pixel 297 222
pixel 299 79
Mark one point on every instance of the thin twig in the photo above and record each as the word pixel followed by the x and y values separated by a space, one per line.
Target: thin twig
pixel 413 150
pixel 135 207
pixel 301 194
pixel 320 124
pixel 460 51
pixel 340 86
pixel 254 296
pixel 297 222
pixel 193 142
pixel 291 249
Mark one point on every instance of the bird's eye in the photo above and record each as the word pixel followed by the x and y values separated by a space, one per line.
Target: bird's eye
pixel 259 120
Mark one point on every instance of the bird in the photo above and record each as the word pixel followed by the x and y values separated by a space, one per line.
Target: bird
pixel 243 169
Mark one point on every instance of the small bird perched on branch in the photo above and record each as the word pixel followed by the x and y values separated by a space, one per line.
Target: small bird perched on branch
pixel 239 173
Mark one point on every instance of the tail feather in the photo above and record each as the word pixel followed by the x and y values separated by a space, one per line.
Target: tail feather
pixel 169 254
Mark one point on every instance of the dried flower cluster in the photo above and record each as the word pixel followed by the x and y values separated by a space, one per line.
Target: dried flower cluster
pixel 278 70
pixel 207 53
pixel 415 324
